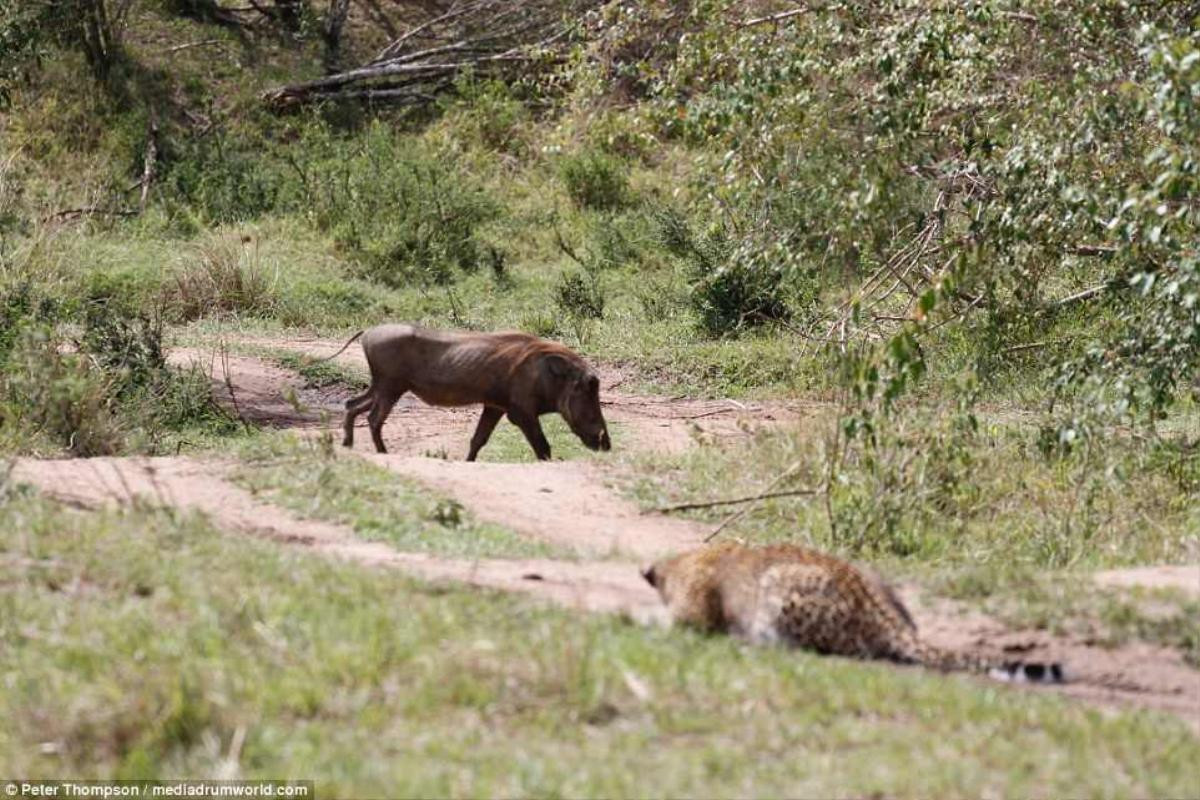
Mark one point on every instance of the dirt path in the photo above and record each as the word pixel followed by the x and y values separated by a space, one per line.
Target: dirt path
pixel 1137 674
pixel 201 485
pixel 564 502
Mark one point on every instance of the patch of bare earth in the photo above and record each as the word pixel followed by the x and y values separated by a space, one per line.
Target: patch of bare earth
pixel 1183 577
pixel 200 485
pixel 562 502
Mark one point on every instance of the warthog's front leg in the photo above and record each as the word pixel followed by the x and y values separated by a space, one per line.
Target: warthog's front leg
pixel 532 429
pixel 483 431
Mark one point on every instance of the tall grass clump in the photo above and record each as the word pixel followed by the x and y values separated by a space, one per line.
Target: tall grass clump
pixel 222 273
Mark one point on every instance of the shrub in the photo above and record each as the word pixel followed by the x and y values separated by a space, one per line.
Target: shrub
pixel 740 280
pixel 407 214
pixel 491 116
pixel 60 396
pixel 539 324
pixel 595 180
pixel 106 391
pixel 221 179
pixel 578 296
pixel 20 306
pixel 223 273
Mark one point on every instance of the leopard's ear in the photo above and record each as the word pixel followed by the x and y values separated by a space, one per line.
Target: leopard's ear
pixel 650 576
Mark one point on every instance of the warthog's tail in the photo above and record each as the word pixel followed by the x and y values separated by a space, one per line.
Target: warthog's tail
pixel 349 342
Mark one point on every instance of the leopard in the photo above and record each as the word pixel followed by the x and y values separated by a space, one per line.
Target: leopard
pixel 791 595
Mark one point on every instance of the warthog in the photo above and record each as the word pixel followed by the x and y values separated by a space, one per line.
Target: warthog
pixel 509 373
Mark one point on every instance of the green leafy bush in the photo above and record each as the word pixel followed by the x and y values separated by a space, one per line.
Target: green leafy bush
pixel 595 180
pixel 578 296
pixel 106 392
pixel 222 178
pixel 406 213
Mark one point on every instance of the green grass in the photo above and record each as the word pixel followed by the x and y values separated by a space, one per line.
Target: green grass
pixel 991 499
pixel 140 644
pixel 319 374
pixel 314 479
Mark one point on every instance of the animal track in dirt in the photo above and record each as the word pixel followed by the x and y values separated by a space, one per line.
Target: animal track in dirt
pixel 564 502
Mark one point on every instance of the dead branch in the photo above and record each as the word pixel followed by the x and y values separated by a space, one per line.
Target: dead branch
pixel 732 501
pixel 67 213
pixel 205 43
pixel 753 502
pixel 780 17
pixel 149 162
pixel 1086 294
pixel 498 39
pixel 1094 250
pixel 567 250
pixel 1019 348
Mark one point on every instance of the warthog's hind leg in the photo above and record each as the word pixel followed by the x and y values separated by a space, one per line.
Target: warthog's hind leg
pixel 379 414
pixel 354 407
pixel 483 431
pixel 532 429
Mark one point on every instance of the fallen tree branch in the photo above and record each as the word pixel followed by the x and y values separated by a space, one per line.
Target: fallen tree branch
pixel 1086 294
pixel 1017 348
pixel 1094 250
pixel 753 502
pixel 780 17
pixel 85 212
pixel 189 45
pixel 732 501
pixel 488 38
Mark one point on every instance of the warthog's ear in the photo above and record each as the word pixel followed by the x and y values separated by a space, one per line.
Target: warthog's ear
pixel 558 366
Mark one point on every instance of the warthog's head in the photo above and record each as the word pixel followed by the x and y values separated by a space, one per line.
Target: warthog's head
pixel 577 390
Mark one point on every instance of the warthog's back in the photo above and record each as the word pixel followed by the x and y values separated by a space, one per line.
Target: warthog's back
pixel 450 367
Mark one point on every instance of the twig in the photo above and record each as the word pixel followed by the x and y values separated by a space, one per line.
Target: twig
pixel 189 45
pixel 1017 348
pixel 567 249
pixel 150 161
pixel 732 501
pixel 782 15
pixel 83 212
pixel 1094 249
pixel 753 501
pixel 1086 294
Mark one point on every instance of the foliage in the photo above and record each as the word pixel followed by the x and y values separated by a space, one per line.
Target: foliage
pixel 106 392
pixel 409 215
pixel 1158 221
pixel 30 29
pixel 595 180
pixel 578 295
pixel 223 273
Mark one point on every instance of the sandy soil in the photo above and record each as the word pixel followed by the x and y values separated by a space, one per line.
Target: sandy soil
pixel 567 503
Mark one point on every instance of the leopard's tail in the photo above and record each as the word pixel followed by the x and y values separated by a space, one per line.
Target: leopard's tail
pixel 914 649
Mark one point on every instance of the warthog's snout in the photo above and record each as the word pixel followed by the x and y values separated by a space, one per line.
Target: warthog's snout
pixel 599 441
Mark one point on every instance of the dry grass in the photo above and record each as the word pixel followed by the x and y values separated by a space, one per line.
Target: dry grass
pixel 223 273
